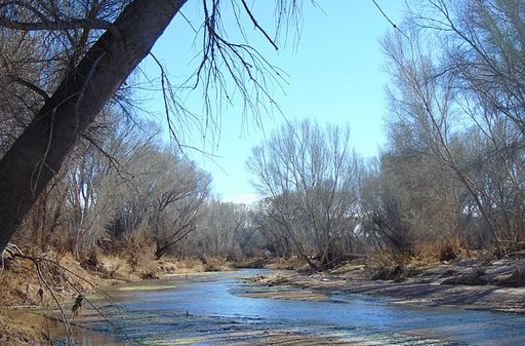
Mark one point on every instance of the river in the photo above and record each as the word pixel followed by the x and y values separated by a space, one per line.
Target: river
pixel 208 309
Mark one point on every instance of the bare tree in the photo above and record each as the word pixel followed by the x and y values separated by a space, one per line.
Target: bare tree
pixel 177 204
pixel 456 104
pixel 93 47
pixel 223 229
pixel 310 178
pixel 423 102
pixel 277 241
pixel 38 153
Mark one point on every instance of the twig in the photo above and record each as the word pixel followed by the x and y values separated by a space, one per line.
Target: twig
pixel 388 19
pixel 254 21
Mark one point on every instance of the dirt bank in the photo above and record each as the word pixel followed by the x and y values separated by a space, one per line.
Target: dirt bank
pixel 48 285
pixel 468 283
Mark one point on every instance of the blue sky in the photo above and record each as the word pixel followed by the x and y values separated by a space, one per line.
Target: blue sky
pixel 335 75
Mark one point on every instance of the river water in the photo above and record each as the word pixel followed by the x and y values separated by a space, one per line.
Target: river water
pixel 206 309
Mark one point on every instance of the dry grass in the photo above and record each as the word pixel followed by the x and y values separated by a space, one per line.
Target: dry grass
pixel 21 328
pixel 188 266
pixel 21 285
pixel 63 277
pixel 193 265
pixel 426 253
pixel 431 252
pixel 291 263
pixel 22 289
pixel 382 258
pixel 217 265
pixel 348 268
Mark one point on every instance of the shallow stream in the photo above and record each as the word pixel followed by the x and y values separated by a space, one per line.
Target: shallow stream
pixel 207 309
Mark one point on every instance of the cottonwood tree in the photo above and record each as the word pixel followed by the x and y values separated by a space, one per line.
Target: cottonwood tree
pixel 484 48
pixel 485 51
pixel 89 48
pixel 385 220
pixel 223 229
pixel 182 191
pixel 411 199
pixel 456 109
pixel 155 194
pixel 310 178
pixel 16 102
pixel 71 213
pixel 423 102
pixel 36 156
pixel 275 235
pixel 97 173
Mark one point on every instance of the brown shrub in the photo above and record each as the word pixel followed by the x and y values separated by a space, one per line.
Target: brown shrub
pixel 447 253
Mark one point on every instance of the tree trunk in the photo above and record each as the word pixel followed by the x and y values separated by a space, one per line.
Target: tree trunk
pixel 37 155
pixel 160 252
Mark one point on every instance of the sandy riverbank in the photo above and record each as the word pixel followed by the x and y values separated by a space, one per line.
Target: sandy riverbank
pixel 467 283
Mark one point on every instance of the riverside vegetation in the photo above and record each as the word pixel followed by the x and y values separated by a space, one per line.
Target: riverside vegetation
pixel 105 199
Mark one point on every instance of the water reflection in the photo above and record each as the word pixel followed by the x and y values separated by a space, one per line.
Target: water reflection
pixel 207 305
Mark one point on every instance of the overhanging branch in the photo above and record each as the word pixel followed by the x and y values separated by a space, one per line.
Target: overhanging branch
pixel 70 24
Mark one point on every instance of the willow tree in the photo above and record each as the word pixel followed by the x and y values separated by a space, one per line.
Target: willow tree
pixel 90 47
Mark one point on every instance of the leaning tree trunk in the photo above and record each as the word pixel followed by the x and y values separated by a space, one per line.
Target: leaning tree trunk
pixel 39 152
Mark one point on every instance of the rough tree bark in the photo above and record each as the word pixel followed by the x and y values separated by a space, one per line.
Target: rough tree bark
pixel 39 152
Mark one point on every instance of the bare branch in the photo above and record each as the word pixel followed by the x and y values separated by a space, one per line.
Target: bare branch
pixel 69 24
pixel 254 21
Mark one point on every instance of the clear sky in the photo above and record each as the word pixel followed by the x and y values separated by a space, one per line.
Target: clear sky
pixel 335 75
